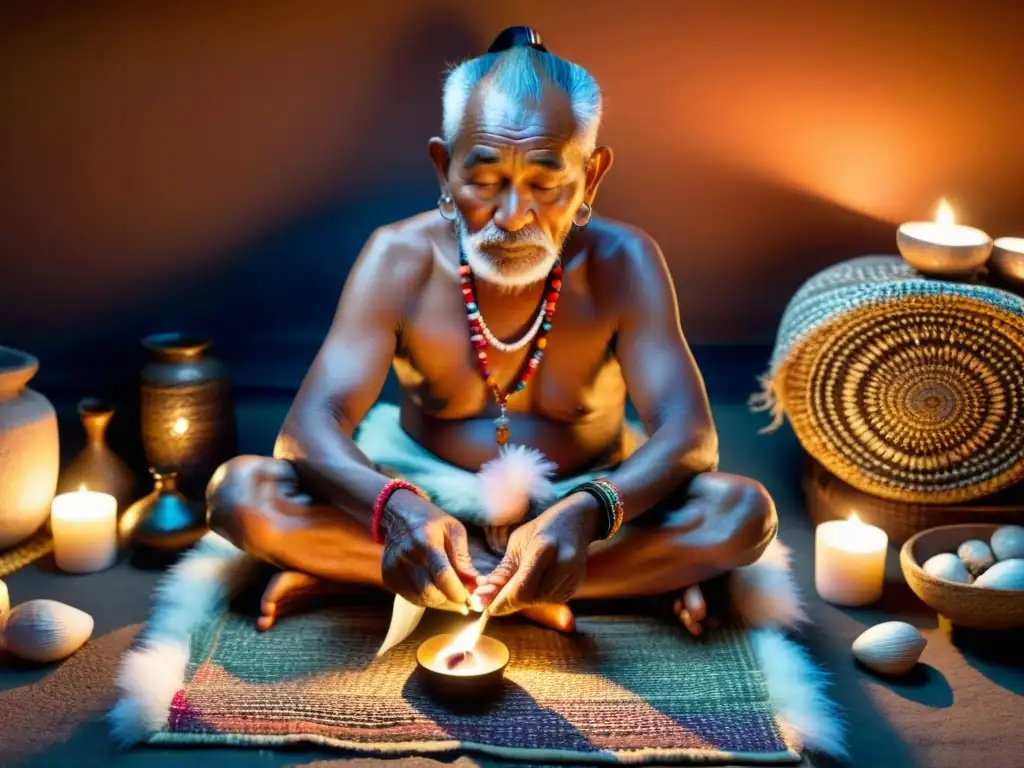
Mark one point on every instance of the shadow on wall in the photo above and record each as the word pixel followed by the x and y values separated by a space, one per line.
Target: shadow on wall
pixel 216 168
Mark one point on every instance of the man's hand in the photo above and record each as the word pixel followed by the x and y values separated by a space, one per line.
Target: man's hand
pixel 426 556
pixel 546 558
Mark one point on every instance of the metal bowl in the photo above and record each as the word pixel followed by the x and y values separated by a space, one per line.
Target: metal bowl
pixel 463 690
pixel 940 260
pixel 1007 260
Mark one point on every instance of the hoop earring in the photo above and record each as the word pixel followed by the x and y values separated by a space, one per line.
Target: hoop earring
pixel 583 215
pixel 446 205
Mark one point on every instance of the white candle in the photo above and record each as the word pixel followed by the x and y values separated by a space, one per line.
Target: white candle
pixel 849 561
pixel 84 526
pixel 944 230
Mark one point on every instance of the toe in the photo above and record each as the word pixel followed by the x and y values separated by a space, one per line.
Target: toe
pixel 693 600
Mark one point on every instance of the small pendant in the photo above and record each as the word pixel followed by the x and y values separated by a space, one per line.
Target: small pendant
pixel 501 431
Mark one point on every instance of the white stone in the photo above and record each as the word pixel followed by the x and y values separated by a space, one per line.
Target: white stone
pixel 890 648
pixel 947 566
pixel 1008 542
pixel 1006 574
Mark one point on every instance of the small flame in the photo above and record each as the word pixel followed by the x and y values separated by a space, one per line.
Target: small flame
pixel 466 639
pixel 944 214
pixel 180 426
pixel 82 488
pixel 854 519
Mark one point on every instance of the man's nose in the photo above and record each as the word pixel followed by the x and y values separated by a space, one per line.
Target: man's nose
pixel 514 210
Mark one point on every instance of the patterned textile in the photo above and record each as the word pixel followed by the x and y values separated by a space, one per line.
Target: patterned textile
pixel 622 689
pixel 908 388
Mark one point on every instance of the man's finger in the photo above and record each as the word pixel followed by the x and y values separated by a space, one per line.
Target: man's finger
pixel 522 588
pixel 445 580
pixel 505 570
pixel 458 553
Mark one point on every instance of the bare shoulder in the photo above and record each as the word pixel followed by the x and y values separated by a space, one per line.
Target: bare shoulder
pixel 624 263
pixel 402 253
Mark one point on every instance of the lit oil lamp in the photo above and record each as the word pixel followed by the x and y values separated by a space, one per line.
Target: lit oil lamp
pixel 463 668
pixel 943 248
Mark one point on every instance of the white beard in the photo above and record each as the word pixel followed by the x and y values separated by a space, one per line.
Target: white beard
pixel 532 271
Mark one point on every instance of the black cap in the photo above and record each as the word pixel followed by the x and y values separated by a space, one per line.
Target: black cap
pixel 517 37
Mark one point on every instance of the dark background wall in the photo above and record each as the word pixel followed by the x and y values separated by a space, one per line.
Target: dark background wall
pixel 216 166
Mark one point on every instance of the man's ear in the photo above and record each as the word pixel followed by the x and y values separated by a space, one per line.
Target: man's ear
pixel 441 160
pixel 598 165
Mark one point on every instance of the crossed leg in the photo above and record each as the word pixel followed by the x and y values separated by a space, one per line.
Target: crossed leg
pixel 716 523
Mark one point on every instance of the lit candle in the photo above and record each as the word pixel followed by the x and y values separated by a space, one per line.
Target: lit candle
pixel 943 247
pixel 84 526
pixel 1007 259
pixel 849 561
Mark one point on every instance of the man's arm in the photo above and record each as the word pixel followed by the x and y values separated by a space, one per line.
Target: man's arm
pixel 348 374
pixel 662 380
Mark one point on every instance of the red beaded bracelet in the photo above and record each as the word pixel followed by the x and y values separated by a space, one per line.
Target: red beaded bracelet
pixel 382 502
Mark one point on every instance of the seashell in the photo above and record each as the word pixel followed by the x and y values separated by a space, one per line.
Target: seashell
pixel 5 598
pixel 45 630
pixel 1008 542
pixel 1006 574
pixel 976 556
pixel 890 648
pixel 947 566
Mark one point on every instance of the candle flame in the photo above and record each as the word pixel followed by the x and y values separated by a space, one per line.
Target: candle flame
pixel 180 426
pixel 466 639
pixel 944 214
pixel 82 488
pixel 854 519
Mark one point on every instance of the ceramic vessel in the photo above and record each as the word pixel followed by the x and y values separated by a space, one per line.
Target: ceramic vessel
pixel 29 450
pixel 967 605
pixel 97 467
pixel 163 520
pixel 188 423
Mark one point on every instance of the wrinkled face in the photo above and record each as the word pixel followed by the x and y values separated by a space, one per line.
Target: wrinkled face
pixel 517 176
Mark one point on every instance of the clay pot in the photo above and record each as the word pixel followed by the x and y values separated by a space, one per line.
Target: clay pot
pixel 188 420
pixel 29 450
pixel 97 467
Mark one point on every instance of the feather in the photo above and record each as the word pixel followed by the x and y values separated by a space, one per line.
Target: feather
pixel 511 481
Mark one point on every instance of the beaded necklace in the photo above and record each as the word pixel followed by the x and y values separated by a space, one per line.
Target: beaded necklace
pixel 480 341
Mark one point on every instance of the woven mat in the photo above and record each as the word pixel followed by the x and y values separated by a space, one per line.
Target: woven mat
pixel 621 689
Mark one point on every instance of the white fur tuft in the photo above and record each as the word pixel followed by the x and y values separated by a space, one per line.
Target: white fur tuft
pixel 194 590
pixel 148 679
pixel 764 593
pixel 509 482
pixel 796 689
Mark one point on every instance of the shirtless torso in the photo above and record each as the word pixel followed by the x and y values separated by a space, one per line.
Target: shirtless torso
pixel 573 409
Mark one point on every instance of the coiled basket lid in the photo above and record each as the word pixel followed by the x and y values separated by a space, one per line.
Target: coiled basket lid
pixel 910 390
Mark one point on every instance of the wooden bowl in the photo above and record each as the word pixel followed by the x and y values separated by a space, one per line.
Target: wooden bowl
pixel 963 604
pixel 937 260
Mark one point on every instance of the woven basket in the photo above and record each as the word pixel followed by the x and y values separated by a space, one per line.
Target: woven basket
pixel 907 389
pixel 829 498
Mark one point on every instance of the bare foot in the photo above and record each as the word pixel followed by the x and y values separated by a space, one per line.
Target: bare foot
pixel 555 615
pixel 691 610
pixel 288 591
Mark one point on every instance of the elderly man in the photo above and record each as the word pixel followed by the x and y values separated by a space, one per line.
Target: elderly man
pixel 462 302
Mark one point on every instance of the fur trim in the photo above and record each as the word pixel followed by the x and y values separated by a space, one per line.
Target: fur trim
pixel 195 589
pixel 764 593
pixel 511 481
pixel 797 691
pixel 770 399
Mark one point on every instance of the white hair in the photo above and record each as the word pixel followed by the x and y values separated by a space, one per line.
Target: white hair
pixel 519 75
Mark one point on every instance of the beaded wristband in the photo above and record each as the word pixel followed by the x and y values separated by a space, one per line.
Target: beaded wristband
pixel 612 507
pixel 382 502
